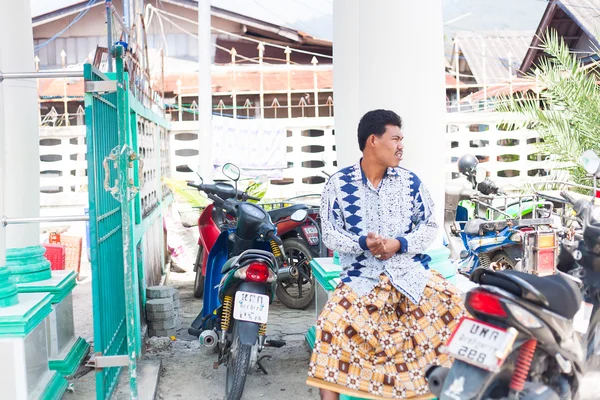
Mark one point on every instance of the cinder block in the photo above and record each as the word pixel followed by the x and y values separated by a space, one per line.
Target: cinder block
pixel 162 332
pixel 157 305
pixel 161 325
pixel 159 292
pixel 175 294
pixel 176 304
pixel 160 315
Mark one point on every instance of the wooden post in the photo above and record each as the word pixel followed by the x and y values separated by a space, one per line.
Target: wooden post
pixel 261 52
pixel 329 104
pixel 275 105
pixel 457 68
pixel 63 56
pixel 315 62
pixel 247 105
pixel 179 105
pixel 288 52
pixel 39 97
pixel 510 74
pixel 484 77
pixel 233 53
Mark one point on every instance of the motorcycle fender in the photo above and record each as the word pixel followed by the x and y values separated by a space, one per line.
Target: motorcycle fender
pixel 248 331
pixel 465 382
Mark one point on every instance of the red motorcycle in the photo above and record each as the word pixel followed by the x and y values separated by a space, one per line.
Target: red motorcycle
pixel 301 241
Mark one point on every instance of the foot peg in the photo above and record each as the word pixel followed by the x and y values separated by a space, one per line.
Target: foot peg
pixel 275 343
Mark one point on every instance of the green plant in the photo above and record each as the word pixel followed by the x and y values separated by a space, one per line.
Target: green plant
pixel 567 113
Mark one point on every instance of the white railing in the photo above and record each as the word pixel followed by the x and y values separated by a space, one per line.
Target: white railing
pixel 63 166
pixel 511 156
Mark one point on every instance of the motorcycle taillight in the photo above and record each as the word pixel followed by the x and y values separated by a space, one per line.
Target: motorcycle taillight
pixel 257 272
pixel 486 303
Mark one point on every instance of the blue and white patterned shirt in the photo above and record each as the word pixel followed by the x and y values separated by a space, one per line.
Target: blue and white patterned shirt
pixel 400 207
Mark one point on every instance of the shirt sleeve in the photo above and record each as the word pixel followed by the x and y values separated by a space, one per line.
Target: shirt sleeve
pixel 335 236
pixel 424 225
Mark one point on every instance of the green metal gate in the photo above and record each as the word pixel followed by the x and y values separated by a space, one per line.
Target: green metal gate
pixel 116 125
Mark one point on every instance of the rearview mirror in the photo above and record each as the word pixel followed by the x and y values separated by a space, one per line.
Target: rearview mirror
pixel 231 171
pixel 480 174
pixel 299 216
pixel 590 162
pixel 194 170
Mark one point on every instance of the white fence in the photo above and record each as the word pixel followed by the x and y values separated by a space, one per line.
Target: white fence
pixel 63 166
pixel 310 147
pixel 512 157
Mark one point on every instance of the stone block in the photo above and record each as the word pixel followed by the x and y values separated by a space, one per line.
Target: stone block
pixel 156 305
pixel 160 315
pixel 159 292
pixel 159 325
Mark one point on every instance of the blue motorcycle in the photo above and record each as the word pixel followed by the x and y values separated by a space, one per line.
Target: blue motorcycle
pixel 240 284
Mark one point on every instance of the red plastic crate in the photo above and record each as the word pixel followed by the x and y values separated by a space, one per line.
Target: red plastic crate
pixel 55 253
pixel 72 245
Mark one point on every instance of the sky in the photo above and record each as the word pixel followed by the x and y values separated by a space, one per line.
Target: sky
pixel 316 16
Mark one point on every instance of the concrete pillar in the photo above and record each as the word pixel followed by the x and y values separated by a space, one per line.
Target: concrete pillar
pixel 204 90
pixel 387 55
pixel 22 194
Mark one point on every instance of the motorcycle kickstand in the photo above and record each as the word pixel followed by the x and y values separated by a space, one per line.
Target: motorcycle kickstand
pixel 260 366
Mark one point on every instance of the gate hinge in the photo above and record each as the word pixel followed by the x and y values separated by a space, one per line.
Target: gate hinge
pixel 98 361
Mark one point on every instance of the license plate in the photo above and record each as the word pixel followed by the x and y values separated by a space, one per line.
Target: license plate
pixel 312 234
pixel 479 344
pixel 251 307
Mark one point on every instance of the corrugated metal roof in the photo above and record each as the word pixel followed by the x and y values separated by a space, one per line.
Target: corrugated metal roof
pixel 586 13
pixel 499 46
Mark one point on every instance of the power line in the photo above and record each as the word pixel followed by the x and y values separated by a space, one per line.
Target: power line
pixel 75 20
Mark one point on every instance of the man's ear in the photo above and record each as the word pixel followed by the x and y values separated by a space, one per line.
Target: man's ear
pixel 372 139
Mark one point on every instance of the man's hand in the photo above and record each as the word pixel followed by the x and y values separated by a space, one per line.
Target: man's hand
pixel 391 246
pixel 382 248
pixel 375 243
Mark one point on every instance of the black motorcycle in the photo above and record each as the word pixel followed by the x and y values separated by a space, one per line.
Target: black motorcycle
pixel 524 341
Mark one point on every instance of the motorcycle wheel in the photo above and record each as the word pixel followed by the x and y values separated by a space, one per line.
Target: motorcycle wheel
pixel 199 281
pixel 237 366
pixel 293 293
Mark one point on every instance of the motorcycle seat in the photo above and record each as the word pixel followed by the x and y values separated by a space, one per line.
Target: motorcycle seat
pixel 478 226
pixel 285 212
pixel 553 293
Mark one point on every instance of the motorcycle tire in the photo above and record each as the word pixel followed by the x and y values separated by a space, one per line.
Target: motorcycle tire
pixel 297 303
pixel 237 367
pixel 199 281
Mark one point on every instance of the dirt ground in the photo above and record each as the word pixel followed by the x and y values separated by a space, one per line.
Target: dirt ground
pixel 188 373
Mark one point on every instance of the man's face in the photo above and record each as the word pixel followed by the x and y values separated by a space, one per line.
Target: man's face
pixel 388 147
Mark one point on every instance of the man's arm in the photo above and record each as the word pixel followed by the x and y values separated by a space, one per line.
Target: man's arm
pixel 423 234
pixel 335 236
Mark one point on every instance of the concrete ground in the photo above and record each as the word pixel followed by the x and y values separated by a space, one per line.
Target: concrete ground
pixel 187 373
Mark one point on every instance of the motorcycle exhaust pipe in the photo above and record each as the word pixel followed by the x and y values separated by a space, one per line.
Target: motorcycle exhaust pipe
pixel 436 376
pixel 287 273
pixel 208 341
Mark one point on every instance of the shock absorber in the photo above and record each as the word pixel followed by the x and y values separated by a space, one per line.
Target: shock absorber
pixel 226 313
pixel 275 249
pixel 517 382
pixel 262 330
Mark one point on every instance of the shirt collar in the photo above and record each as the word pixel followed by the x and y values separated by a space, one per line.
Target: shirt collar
pixel 358 174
